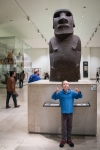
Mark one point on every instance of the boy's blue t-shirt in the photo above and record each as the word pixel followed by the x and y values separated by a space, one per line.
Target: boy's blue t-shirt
pixel 66 99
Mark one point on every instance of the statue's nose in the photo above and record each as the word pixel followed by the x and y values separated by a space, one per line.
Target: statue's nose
pixel 63 18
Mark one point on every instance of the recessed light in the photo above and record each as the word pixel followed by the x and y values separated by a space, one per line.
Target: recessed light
pixel 81 22
pixel 46 9
pixel 82 16
pixel 84 7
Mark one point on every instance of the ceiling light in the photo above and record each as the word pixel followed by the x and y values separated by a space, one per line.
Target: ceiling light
pixel 96 30
pixel 82 16
pixel 81 22
pixel 42 36
pixel 28 19
pixel 92 34
pixel 38 31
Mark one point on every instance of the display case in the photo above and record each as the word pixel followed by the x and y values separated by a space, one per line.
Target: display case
pixel 11 56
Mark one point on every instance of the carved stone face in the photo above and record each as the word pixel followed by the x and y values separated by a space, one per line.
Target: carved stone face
pixel 63 22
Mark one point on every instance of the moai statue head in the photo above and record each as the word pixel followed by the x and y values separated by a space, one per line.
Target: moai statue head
pixel 63 22
pixel 64 48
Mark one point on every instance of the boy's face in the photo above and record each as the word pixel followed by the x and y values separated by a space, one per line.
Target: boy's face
pixel 65 85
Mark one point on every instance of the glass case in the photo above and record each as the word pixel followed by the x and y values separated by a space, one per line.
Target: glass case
pixel 11 56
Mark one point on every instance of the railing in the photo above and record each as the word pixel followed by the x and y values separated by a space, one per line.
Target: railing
pixel 58 105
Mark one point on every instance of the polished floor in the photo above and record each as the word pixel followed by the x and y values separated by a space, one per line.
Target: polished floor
pixel 14 128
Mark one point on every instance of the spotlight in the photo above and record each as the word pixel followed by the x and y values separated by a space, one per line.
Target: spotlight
pixel 92 34
pixel 96 30
pixel 42 36
pixel 38 31
pixel 28 19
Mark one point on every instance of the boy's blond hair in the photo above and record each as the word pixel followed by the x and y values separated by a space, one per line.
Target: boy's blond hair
pixel 64 81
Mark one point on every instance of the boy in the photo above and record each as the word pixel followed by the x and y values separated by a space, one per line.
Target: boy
pixel 66 98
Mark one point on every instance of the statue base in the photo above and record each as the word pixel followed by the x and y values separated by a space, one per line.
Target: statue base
pixel 44 113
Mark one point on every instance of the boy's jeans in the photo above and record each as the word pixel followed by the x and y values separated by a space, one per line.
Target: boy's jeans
pixel 66 124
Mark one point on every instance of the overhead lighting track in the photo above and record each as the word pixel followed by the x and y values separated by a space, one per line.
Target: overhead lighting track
pixel 91 37
pixel 28 18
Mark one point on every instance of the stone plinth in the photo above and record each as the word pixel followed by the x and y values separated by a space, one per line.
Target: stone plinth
pixel 48 119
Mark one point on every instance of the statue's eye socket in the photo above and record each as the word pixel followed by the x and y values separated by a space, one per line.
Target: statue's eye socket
pixel 68 14
pixel 56 15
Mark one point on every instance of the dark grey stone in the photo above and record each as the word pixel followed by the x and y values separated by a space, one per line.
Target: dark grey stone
pixel 64 48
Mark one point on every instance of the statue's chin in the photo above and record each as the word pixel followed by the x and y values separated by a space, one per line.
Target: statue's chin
pixel 63 32
pixel 63 36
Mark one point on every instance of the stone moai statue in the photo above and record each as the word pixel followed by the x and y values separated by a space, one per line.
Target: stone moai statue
pixel 64 48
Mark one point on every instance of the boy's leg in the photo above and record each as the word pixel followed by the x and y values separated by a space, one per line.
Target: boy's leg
pixel 63 130
pixel 69 126
pixel 7 99
pixel 63 126
pixel 69 129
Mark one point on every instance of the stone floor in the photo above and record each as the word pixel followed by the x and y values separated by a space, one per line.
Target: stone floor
pixel 14 134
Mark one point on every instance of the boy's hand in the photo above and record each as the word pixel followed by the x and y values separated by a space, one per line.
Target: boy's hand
pixel 57 90
pixel 77 90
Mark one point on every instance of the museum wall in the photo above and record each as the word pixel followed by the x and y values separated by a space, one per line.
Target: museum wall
pixel 40 59
pixel 37 58
pixel 95 61
pixel 5 32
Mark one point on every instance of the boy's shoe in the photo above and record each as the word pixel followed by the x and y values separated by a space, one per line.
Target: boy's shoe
pixel 8 107
pixel 62 143
pixel 17 106
pixel 70 143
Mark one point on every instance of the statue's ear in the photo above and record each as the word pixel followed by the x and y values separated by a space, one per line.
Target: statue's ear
pixel 53 23
pixel 73 23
